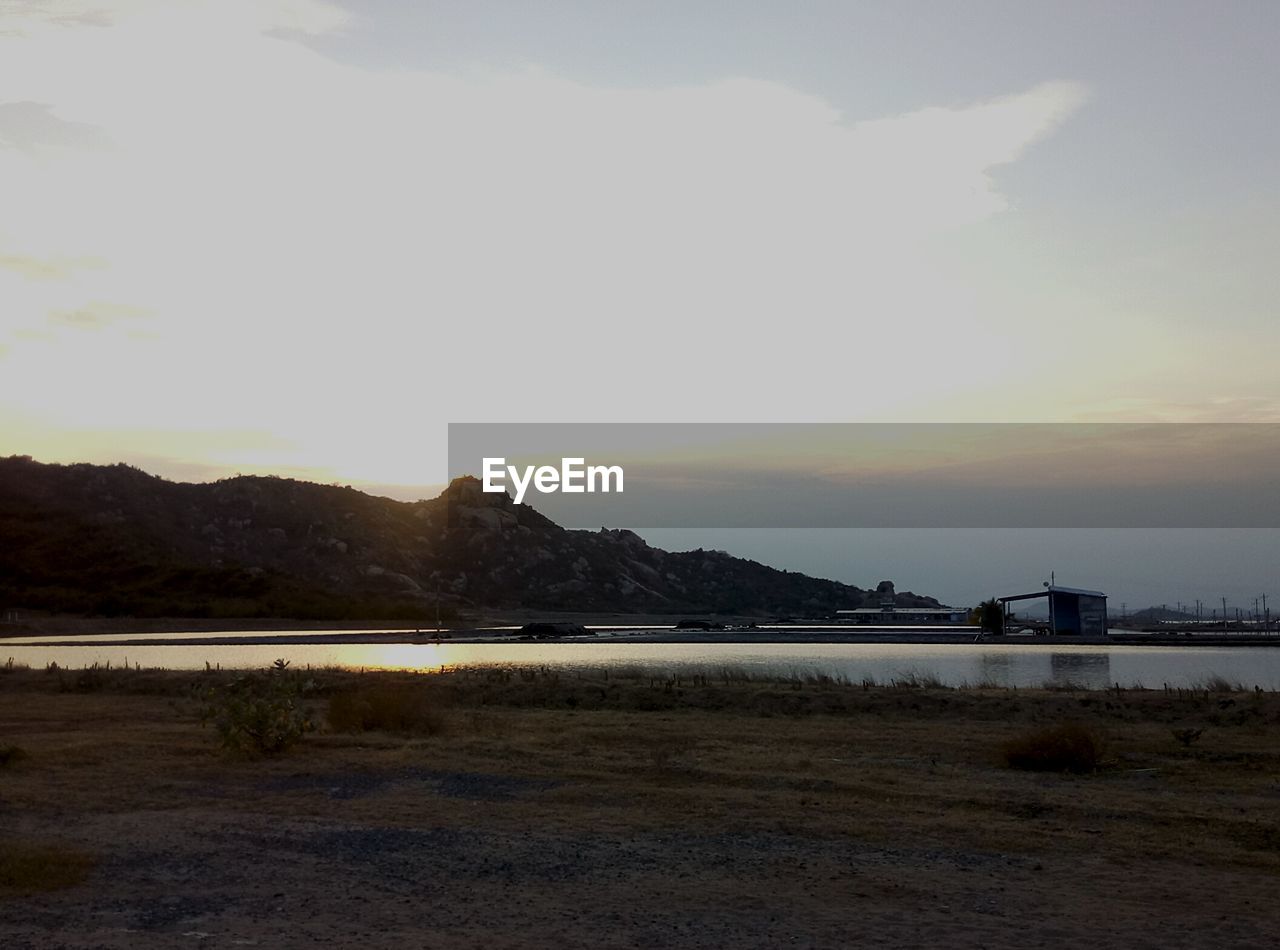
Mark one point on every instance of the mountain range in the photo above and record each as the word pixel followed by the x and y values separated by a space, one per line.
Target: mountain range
pixel 113 540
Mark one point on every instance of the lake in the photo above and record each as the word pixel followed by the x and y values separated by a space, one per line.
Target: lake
pixel 956 664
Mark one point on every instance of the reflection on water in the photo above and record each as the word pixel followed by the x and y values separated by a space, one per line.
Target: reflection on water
pixel 1018 665
pixel 1092 670
pixel 994 668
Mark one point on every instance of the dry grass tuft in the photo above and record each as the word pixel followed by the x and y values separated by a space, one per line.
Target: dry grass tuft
pixel 1220 684
pixel 26 867
pixel 388 707
pixel 915 679
pixel 1069 747
pixel 1187 736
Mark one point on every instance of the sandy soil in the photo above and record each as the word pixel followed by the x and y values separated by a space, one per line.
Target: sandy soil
pixel 537 827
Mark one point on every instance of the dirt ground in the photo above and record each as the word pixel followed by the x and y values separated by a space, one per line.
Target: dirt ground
pixel 890 823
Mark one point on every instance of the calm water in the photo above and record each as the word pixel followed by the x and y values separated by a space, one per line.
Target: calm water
pixel 955 664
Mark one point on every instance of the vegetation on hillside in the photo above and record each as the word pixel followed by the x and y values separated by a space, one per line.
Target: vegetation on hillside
pixel 113 540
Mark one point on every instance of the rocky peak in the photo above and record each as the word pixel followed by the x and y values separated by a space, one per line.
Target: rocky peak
pixel 469 491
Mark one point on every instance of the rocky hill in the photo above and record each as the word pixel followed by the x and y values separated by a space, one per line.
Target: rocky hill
pixel 114 540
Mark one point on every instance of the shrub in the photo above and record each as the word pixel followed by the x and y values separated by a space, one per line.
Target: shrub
pixel 663 750
pixel 92 679
pixel 390 707
pixel 26 867
pixel 990 614
pixel 1187 736
pixel 1069 747
pixel 259 713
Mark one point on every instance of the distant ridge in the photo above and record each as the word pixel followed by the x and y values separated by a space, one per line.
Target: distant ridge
pixel 114 540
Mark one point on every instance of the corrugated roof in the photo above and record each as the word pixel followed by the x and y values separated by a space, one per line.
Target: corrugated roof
pixel 1057 589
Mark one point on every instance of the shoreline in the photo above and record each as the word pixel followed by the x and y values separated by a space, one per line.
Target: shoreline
pixel 502 627
pixel 605 634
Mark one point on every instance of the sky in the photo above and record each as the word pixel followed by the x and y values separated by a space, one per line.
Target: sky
pixel 294 237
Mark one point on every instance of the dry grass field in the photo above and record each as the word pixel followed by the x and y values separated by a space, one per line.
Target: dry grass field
pixel 499 808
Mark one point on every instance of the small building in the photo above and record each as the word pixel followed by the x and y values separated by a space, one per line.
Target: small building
pixel 925 616
pixel 1072 612
pixel 890 613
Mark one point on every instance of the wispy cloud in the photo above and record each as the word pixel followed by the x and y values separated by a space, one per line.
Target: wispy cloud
pixel 96 315
pixel 24 17
pixel 33 126
pixel 37 268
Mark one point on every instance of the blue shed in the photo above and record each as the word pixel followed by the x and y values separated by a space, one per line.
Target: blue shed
pixel 1072 611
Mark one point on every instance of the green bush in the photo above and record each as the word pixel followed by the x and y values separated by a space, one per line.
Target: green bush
pixel 260 713
pixel 1069 747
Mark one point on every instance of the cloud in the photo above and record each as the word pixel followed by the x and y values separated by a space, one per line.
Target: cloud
pixel 313 17
pixel 944 155
pixel 350 233
pixel 32 125
pixel 96 315
pixel 1212 408
pixel 35 268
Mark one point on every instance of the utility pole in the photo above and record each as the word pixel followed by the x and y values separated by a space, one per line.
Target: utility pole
pixel 1224 614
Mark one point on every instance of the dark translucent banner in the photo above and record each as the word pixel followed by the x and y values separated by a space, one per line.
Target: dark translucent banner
pixel 849 475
